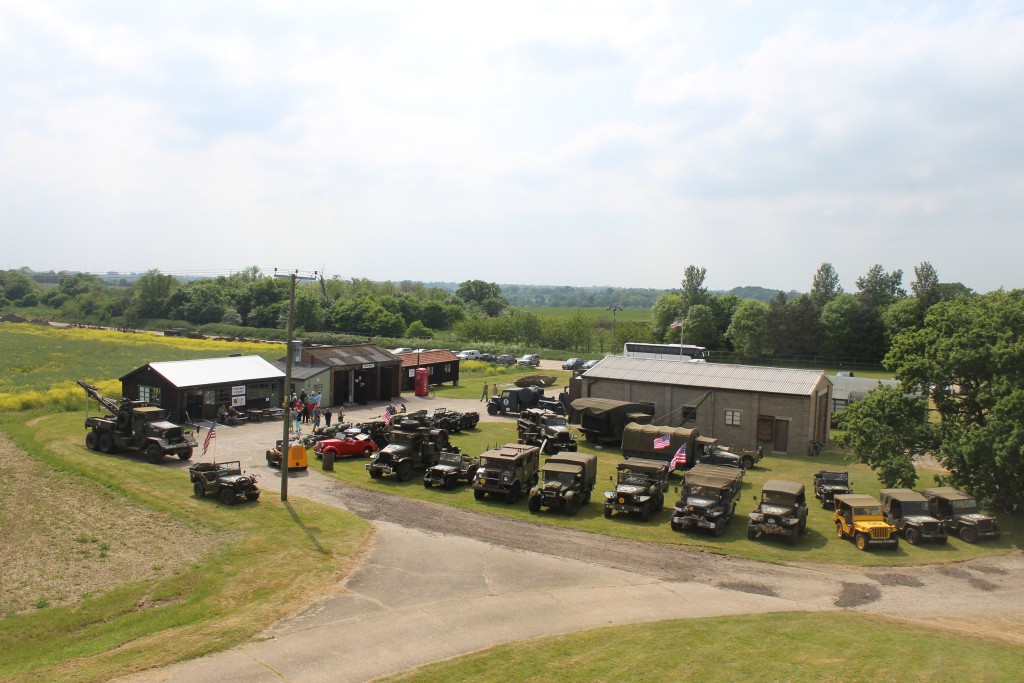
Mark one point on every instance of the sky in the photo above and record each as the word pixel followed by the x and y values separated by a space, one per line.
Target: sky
pixel 561 143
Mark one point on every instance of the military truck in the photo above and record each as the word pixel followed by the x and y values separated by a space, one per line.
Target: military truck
pixel 508 471
pixel 828 484
pixel 908 511
pixel 640 488
pixel 518 400
pixel 709 497
pixel 451 421
pixel 567 482
pixel 781 511
pixel 639 441
pixel 959 513
pixel 451 468
pixel 134 426
pixel 412 447
pixel 603 420
pixel 223 479
pixel 541 427
pixel 859 517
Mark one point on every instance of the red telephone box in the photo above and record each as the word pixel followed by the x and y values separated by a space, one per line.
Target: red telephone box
pixel 422 381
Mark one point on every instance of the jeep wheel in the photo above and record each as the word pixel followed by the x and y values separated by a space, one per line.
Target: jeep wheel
pixel 607 512
pixel 197 488
pixel 719 527
pixel 572 506
pixel 492 409
pixel 478 494
pixel 367 452
pixel 944 540
pixel 155 454
pixel 427 484
pixel 404 471
pixel 659 503
pixel 513 493
pixel 794 538
pixel 227 496
pixel 862 542
pixel 969 534
pixel 586 497
pixel 751 532
pixel 839 530
pixel 106 443
pixel 913 535
pixel 645 512
pixel 252 495
pixel 186 454
pixel 450 483
pixel 676 526
pixel 748 462
pixel 92 440
pixel 376 474
pixel 534 504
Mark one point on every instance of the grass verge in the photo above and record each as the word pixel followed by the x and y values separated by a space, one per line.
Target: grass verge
pixel 772 647
pixel 818 545
pixel 267 557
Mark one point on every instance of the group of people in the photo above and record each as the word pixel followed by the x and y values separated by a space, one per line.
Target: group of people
pixel 494 392
pixel 305 409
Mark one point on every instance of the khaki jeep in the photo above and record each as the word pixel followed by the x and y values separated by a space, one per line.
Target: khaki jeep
pixel 859 517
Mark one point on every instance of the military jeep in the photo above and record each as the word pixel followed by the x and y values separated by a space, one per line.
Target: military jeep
pixel 782 511
pixel 640 488
pixel 959 513
pixel 908 511
pixel 508 471
pixel 828 484
pixel 451 468
pixel 223 479
pixel 412 447
pixel 709 498
pixel 539 427
pixel 567 482
pixel 859 517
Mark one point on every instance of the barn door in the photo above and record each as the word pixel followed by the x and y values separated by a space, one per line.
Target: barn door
pixel 781 436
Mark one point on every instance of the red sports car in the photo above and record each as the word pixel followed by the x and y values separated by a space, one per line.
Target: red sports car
pixel 360 444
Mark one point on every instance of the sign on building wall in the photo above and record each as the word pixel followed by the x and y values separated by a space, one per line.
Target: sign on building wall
pixel 238 391
pixel 238 401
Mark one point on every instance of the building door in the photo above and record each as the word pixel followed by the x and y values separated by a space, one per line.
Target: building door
pixel 387 382
pixel 339 387
pixel 193 406
pixel 781 444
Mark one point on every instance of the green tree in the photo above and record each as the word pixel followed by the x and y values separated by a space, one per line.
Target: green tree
pixel 486 295
pixel 839 324
pixel 667 309
pixel 749 330
pixel 701 327
pixel 925 286
pixel 974 344
pixel 203 302
pixel 417 330
pixel 152 292
pixel 885 429
pixel 825 286
pixel 694 292
pixel 309 311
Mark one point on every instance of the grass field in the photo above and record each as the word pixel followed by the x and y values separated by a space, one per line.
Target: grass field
pixel 843 646
pixel 39 365
pixel 260 562
pixel 818 545
pixel 596 312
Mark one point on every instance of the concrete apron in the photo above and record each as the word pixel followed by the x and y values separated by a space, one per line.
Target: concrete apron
pixel 421 598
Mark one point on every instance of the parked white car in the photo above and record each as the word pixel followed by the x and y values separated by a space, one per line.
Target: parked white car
pixel 469 354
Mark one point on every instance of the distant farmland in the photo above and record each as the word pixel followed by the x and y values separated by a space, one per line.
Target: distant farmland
pixel 597 312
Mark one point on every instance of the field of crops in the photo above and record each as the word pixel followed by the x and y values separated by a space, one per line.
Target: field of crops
pixel 39 364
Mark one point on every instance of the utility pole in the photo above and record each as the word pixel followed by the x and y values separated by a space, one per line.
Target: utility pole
pixel 615 339
pixel 285 442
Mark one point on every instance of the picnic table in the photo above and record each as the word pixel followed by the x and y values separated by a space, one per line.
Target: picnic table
pixel 273 413
pixel 256 415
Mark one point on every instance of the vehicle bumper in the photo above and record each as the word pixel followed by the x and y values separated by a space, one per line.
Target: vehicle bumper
pixel 694 520
pixel 775 529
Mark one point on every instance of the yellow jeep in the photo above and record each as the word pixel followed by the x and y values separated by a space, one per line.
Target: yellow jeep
pixel 860 517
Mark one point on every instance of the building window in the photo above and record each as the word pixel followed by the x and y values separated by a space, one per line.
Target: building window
pixel 150 395
pixel 689 414
pixel 261 390
pixel 732 417
pixel 448 368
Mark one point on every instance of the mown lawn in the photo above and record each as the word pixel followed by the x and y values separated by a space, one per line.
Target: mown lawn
pixel 818 545
pixel 267 558
pixel 791 646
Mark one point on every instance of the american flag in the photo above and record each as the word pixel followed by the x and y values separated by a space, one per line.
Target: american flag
pixel 676 324
pixel 662 442
pixel 679 459
pixel 210 436
pixel 386 417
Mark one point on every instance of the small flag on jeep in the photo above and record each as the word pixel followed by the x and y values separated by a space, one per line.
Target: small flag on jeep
pixel 210 436
pixel 662 441
pixel 386 417
pixel 679 459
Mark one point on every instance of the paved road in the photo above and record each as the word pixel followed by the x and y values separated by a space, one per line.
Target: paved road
pixel 423 595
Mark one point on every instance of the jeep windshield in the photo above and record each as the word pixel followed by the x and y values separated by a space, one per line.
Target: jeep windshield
pixel 870 511
pixel 498 464
pixel 564 478
pixel 835 477
pixel 450 459
pixel 555 422
pixel 779 499
pixel 632 478
pixel 965 506
pixel 913 506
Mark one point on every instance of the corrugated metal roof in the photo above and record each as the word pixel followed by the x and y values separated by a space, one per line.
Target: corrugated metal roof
pixel 301 371
pixel 411 360
pixel 353 354
pixel 708 375
pixel 206 371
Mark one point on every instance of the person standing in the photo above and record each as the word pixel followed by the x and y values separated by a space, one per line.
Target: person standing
pixel 327 417
pixel 296 418
pixel 496 393
pixel 316 416
pixel 483 396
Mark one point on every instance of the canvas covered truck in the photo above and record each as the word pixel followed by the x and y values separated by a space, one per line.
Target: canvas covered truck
pixel 960 515
pixel 639 441
pixel 566 482
pixel 709 498
pixel 550 431
pixel 412 447
pixel 518 400
pixel 603 420
pixel 640 488
pixel 134 426
pixel 508 471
